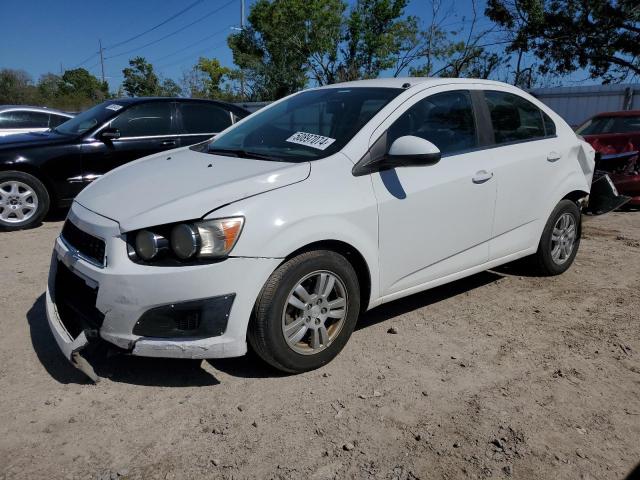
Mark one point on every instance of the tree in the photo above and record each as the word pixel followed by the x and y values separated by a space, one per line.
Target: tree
pixel 139 79
pixel 49 85
pixel 286 41
pixel 168 88
pixel 80 82
pixel 455 54
pixel 375 33
pixel 16 87
pixel 602 36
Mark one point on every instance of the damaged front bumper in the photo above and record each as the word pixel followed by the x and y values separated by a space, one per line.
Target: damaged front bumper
pixel 176 312
pixel 70 347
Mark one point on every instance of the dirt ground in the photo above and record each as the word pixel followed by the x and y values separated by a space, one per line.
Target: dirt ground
pixel 498 375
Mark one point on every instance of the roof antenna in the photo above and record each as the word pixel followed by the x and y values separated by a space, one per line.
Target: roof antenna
pixel 406 85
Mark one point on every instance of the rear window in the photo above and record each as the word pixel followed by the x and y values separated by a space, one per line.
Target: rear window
pixel 515 119
pixel 204 118
pixel 24 119
pixel 610 124
pixel 55 120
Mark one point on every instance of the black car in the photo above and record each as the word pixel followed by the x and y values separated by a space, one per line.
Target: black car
pixel 40 169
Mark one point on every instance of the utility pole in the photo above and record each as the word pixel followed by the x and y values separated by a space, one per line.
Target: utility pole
pixel 101 58
pixel 242 30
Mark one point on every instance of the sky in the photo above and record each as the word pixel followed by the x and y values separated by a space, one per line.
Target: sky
pixel 41 36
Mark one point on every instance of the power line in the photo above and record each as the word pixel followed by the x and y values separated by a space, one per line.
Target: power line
pixel 164 22
pixel 198 53
pixel 86 60
pixel 204 17
pixel 192 45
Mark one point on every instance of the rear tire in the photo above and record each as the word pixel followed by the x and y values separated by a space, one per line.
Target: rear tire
pixel 305 312
pixel 560 240
pixel 24 201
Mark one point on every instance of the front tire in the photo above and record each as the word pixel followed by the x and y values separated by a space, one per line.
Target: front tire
pixel 306 312
pixel 24 201
pixel 560 239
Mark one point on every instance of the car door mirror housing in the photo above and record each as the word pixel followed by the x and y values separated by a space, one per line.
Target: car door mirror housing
pixel 109 134
pixel 407 151
pixel 410 151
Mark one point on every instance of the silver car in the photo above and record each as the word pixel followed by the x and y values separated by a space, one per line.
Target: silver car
pixel 23 119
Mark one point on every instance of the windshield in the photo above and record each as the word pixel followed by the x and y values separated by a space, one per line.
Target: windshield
pixel 88 119
pixel 611 124
pixel 307 126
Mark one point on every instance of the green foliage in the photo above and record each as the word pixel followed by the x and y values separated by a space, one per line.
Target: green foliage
pixel 602 36
pixel 16 87
pixel 291 42
pixel 74 90
pixel 209 79
pixel 169 88
pixel 374 34
pixel 139 79
pixel 286 39
pixel 80 82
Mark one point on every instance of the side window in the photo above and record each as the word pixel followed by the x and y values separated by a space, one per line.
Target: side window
pixel 55 120
pixel 144 120
pixel 204 118
pixel 445 119
pixel 514 119
pixel 549 125
pixel 24 119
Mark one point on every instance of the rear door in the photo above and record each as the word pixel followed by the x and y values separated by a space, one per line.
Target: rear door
pixel 200 121
pixel 145 129
pixel 528 160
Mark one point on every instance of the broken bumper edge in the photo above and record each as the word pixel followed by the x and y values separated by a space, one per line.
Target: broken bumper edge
pixel 70 347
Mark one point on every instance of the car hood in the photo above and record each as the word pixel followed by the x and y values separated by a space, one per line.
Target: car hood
pixel 32 139
pixel 183 185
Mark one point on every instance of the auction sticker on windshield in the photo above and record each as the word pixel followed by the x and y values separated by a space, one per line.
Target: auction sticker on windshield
pixel 311 140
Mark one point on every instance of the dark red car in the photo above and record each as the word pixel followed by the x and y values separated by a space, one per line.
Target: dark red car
pixel 616 136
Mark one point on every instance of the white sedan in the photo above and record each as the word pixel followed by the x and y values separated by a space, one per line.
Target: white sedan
pixel 288 225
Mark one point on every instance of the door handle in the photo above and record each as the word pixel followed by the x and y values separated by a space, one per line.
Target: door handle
pixel 553 156
pixel 168 143
pixel 482 176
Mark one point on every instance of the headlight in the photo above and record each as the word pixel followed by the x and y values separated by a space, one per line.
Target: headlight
pixel 148 244
pixel 201 240
pixel 218 237
pixel 185 241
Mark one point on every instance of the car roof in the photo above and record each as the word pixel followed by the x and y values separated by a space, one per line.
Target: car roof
pixel 135 100
pixel 408 82
pixel 34 108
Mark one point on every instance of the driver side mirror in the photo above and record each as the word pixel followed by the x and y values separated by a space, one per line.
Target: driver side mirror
pixel 407 151
pixel 109 134
pixel 410 151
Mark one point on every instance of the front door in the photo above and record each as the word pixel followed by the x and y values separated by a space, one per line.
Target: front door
pixel 434 221
pixel 145 129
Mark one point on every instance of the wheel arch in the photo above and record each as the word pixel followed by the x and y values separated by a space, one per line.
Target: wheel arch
pixel 353 256
pixel 576 196
pixel 37 173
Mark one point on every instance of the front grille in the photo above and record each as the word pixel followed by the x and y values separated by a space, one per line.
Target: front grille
pixel 76 302
pixel 92 248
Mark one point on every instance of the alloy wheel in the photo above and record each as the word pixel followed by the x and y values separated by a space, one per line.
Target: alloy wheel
pixel 18 202
pixel 563 238
pixel 315 312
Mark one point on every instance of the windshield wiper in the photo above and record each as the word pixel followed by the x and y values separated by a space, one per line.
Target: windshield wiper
pixel 232 152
